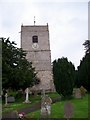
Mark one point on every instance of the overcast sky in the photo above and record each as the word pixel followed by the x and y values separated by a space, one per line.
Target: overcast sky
pixel 68 23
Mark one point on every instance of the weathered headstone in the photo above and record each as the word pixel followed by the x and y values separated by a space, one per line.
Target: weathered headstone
pixel 10 99
pixel 27 95
pixel 68 110
pixel 6 95
pixel 45 105
pixel 48 104
pixel 14 115
pixel 78 93
pixel 83 91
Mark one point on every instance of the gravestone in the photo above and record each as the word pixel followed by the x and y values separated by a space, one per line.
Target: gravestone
pixel 48 104
pixel 45 106
pixel 83 91
pixel 10 99
pixel 6 95
pixel 14 115
pixel 27 91
pixel 0 113
pixel 68 110
pixel 43 93
pixel 78 93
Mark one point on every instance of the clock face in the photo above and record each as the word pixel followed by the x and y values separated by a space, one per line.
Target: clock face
pixel 35 46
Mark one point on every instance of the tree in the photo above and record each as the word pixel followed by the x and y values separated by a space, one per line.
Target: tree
pixel 0 66
pixel 63 73
pixel 87 46
pixel 84 72
pixel 17 72
pixel 83 78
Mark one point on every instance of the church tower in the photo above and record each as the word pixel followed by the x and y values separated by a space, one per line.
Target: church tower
pixel 35 41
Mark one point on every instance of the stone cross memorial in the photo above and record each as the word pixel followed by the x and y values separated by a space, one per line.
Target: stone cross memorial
pixel 43 93
pixel 6 95
pixel 27 95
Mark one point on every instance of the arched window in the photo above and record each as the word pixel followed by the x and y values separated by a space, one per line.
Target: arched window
pixel 35 39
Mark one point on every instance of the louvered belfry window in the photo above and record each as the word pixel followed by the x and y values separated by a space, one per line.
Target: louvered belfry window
pixel 35 39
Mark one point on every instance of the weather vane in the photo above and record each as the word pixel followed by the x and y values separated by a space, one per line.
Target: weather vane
pixel 34 20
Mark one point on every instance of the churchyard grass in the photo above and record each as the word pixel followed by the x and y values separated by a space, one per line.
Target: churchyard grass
pixel 18 104
pixel 57 111
pixel 53 95
pixel 14 106
pixel 80 109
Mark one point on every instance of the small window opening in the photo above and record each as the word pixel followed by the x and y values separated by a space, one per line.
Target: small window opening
pixel 35 39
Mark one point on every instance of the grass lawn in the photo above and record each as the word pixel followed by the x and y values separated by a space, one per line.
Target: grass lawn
pixel 80 109
pixel 57 111
pixel 19 103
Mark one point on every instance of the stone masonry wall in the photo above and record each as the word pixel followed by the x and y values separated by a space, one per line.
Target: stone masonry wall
pixel 41 57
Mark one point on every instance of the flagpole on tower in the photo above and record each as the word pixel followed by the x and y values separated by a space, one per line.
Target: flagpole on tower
pixel 34 20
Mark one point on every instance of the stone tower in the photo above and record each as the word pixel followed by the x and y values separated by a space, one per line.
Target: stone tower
pixel 35 41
